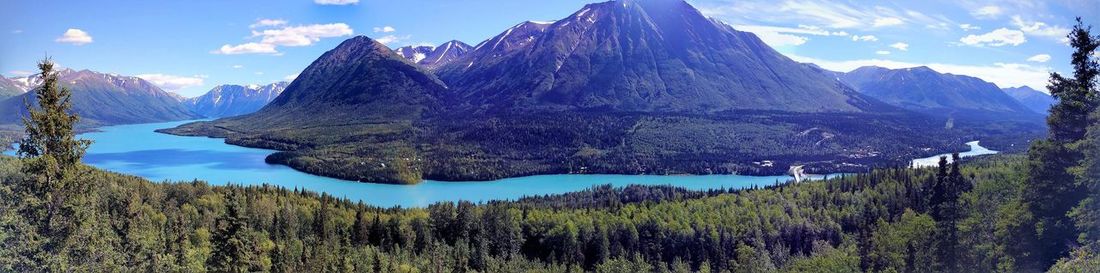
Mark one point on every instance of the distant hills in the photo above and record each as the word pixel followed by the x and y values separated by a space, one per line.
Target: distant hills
pixel 105 99
pixel 1035 100
pixel 927 91
pixel 234 100
pixel 626 87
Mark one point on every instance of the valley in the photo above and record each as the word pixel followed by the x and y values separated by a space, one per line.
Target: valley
pixel 623 136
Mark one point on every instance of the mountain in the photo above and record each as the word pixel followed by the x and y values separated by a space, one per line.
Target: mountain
pixel 234 100
pixel 651 56
pixel 414 54
pixel 925 90
pixel 356 104
pixel 360 80
pixel 616 88
pixel 434 57
pixel 106 99
pixel 1035 100
pixel 10 88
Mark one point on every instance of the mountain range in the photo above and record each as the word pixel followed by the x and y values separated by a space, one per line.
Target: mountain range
pixel 234 100
pixel 105 99
pixel 432 57
pixel 10 88
pixel 617 87
pixel 1035 100
pixel 927 91
pixel 653 56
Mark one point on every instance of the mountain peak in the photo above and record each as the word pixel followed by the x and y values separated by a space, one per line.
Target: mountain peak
pixel 432 57
pixel 233 100
pixel 654 55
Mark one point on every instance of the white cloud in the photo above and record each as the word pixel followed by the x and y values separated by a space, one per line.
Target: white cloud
pixel 336 2
pixel 237 66
pixel 969 27
pixel 389 39
pixel 882 52
pixel 286 36
pixel 1040 29
pixel 20 73
pixel 831 14
pixel 1002 74
pixel 786 36
pixel 776 39
pixel 258 73
pixel 171 82
pixel 291 77
pixel 268 23
pixel 1041 58
pixel 75 36
pixel 987 12
pixel 303 35
pixel 865 38
pixel 17 31
pixel 801 29
pixel 887 21
pixel 384 29
pixel 940 26
pixel 998 37
pixel 246 48
pixel 900 46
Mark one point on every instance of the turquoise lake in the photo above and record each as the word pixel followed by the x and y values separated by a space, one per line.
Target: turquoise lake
pixel 138 150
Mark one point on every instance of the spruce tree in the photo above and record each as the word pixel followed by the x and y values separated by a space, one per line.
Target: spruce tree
pixel 1053 189
pixel 49 196
pixel 945 210
pixel 232 248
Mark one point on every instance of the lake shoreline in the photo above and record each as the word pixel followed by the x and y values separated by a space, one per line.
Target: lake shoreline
pixel 203 128
pixel 140 151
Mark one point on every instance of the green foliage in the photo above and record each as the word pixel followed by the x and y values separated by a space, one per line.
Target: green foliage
pixel 465 148
pixel 192 227
pixel 903 246
pixel 1082 260
pixel 1056 182
pixel 56 223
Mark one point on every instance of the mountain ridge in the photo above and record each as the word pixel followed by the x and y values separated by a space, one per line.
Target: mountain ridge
pixel 649 56
pixel 234 100
pixel 102 99
pixel 510 107
pixel 1036 100
pixel 928 91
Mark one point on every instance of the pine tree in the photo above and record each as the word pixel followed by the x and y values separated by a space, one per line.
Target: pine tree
pixel 1053 189
pixel 230 242
pixel 1087 215
pixel 944 209
pixel 50 197
pixel 360 234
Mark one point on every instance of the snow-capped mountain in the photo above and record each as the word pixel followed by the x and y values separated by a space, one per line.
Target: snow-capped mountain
pixel 105 99
pixel 414 54
pixel 10 88
pixel 234 100
pixel 434 57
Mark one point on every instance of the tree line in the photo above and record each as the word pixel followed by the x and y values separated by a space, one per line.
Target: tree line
pixel 1012 213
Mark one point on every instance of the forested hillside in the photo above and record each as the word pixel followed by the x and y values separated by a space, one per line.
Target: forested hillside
pixel 1038 212
pixel 876 222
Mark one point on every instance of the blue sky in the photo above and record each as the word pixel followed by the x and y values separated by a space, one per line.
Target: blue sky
pixel 190 46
